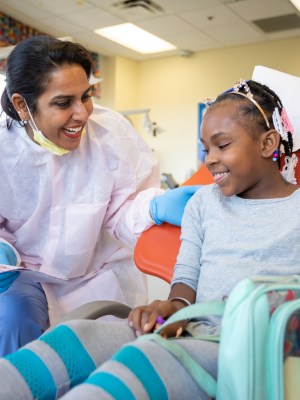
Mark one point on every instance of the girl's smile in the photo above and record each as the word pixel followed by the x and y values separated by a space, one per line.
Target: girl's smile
pixel 219 176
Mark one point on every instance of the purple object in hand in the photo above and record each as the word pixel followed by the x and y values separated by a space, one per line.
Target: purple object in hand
pixel 160 320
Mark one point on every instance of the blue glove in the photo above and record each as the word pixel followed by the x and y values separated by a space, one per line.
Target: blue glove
pixel 7 257
pixel 169 207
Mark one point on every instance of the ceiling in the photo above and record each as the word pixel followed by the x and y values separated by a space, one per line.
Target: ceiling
pixel 191 25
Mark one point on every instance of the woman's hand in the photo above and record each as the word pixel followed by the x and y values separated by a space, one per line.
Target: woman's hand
pixel 169 207
pixel 143 319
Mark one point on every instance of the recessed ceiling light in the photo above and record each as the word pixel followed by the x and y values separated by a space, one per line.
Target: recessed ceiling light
pixel 135 38
pixel 296 3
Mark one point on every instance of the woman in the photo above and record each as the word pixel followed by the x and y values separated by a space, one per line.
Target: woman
pixel 77 185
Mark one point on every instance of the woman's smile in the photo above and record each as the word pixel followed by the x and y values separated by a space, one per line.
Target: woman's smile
pixel 74 132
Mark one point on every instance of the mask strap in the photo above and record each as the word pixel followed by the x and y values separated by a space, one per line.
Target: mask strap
pixel 31 120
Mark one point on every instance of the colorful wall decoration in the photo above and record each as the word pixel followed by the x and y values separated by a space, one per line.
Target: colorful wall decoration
pixel 200 150
pixel 97 73
pixel 13 32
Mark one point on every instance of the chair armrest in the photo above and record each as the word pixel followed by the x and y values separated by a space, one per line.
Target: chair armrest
pixel 96 309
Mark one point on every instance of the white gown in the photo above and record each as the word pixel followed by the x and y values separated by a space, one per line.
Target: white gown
pixel 76 217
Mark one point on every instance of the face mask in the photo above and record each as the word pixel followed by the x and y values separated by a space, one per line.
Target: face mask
pixel 42 140
pixel 47 144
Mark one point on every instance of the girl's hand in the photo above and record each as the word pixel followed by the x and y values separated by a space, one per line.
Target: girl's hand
pixel 144 319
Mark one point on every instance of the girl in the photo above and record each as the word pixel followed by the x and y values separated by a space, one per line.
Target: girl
pixel 245 224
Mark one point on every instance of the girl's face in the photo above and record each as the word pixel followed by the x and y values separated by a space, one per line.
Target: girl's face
pixel 65 106
pixel 232 155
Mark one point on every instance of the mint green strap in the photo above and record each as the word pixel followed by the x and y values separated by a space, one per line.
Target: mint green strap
pixel 203 378
pixel 195 311
pixel 208 337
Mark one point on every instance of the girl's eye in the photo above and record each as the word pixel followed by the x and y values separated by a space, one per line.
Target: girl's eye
pixel 86 97
pixel 223 146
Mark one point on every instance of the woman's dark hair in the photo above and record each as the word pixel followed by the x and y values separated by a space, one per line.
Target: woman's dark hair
pixel 30 63
pixel 250 114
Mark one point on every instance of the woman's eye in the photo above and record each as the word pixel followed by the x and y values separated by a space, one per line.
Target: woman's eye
pixel 63 104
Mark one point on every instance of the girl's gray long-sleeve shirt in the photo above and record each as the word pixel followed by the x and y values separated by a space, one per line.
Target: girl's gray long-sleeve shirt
pixel 227 239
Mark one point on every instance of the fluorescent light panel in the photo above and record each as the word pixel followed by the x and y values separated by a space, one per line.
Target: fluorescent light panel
pixel 296 4
pixel 135 38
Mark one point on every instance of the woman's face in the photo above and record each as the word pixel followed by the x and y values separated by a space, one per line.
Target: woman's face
pixel 65 106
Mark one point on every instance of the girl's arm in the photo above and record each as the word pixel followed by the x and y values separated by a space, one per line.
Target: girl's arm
pixel 185 280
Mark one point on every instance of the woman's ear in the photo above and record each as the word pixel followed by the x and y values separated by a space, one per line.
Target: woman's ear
pixel 270 143
pixel 20 106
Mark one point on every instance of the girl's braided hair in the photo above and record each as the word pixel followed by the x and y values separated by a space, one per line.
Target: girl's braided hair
pixel 249 112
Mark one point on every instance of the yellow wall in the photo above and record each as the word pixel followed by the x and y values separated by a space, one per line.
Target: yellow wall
pixel 127 79
pixel 108 86
pixel 172 87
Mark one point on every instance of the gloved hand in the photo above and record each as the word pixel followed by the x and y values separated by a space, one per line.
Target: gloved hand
pixel 169 207
pixel 7 257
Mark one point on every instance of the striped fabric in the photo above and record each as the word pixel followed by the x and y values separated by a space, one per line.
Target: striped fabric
pixel 68 346
pixel 112 385
pixel 34 372
pixel 61 351
pixel 133 359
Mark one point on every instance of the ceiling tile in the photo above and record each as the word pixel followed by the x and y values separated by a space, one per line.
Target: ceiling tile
pixel 250 10
pixel 211 17
pixel 57 7
pixel 176 6
pixel 235 34
pixel 62 25
pixel 164 25
pixel 92 18
pixel 101 3
pixel 192 40
pixel 27 9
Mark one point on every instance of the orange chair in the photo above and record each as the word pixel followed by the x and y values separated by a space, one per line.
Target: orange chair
pixel 157 248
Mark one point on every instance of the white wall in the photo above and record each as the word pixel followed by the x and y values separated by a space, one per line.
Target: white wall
pixel 157 289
